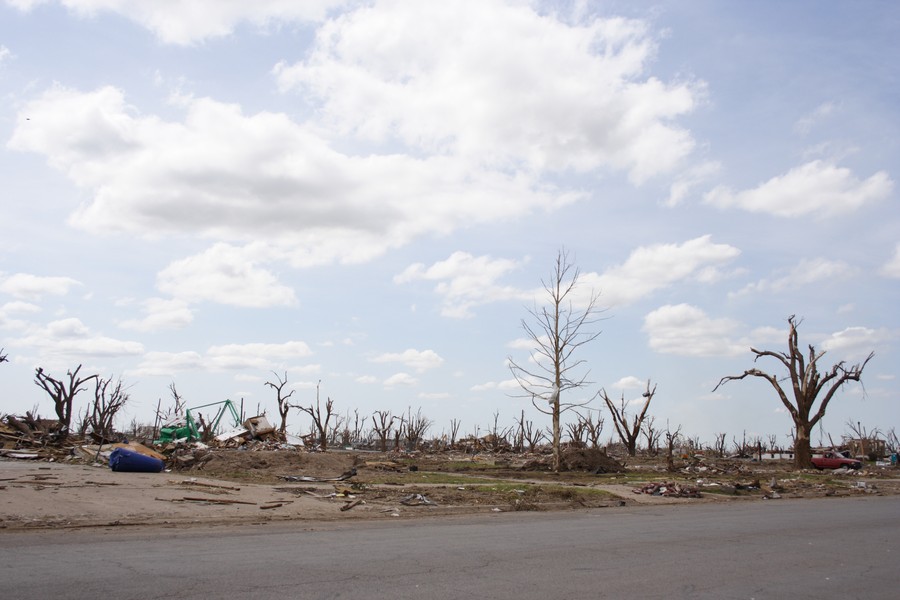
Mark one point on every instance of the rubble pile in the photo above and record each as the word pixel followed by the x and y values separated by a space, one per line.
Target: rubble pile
pixel 669 489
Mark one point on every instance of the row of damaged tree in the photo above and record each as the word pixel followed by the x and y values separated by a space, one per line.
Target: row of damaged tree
pixel 560 326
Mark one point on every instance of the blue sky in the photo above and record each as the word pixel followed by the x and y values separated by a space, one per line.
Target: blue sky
pixel 369 194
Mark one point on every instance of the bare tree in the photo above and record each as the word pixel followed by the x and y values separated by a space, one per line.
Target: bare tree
pixel 162 416
pixel 399 432
pixel 416 427
pixel 532 435
pixel 63 394
pixel 382 422
pixel 576 433
pixel 337 431
pixel 672 438
pixel 354 435
pixel 720 444
pixel 282 399
pixel 454 431
pixel 108 401
pixel 319 419
pixel 592 428
pixel 497 438
pixel 807 385
pixel 893 442
pixel 651 434
pixel 628 428
pixel 560 328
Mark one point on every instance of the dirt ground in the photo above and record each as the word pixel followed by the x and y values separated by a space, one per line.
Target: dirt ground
pixel 235 486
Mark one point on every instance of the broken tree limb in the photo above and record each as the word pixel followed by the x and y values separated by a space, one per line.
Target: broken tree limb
pixel 208 500
pixel 351 504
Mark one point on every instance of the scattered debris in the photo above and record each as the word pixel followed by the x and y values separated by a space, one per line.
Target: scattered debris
pixel 668 489
pixel 20 455
pixel 311 479
pixel 209 500
pixel 416 500
pixel 348 505
pixel 193 481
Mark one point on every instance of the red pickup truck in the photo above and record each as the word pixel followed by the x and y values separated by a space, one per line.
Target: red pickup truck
pixel 834 460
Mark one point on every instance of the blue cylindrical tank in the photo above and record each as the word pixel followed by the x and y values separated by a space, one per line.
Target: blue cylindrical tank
pixel 134 462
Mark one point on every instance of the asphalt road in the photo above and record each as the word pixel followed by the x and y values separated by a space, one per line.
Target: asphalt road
pixel 829 548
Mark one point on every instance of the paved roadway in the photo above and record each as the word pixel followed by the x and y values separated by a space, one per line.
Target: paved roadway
pixel 828 548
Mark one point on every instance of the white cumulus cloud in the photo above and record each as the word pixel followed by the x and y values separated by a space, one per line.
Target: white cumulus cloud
pixel 499 83
pixel 686 330
pixel 817 188
pixel 187 22
pixel 807 271
pixel 654 267
pixel 414 359
pixel 34 287
pixel 465 281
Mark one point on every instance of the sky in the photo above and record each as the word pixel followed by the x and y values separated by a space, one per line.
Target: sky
pixel 367 196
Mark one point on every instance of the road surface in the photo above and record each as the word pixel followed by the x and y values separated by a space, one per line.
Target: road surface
pixel 828 548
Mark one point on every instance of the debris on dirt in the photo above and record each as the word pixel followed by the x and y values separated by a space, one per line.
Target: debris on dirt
pixel 590 460
pixel 20 455
pixel 310 478
pixel 384 465
pixel 194 482
pixel 353 503
pixel 416 500
pixel 668 489
pixel 208 500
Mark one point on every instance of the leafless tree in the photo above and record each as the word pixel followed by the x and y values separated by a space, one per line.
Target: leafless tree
pixel 651 434
pixel 893 442
pixel 772 441
pixel 628 427
pixel 498 437
pixel 337 433
pixel 720 444
pixel 354 435
pixel 399 432
pixel 807 385
pixel 108 401
pixel 576 433
pixel 176 409
pixel 416 427
pixel 319 418
pixel 593 428
pixel 382 422
pixel 557 330
pixel 63 394
pixel 454 431
pixel 519 437
pixel 672 438
pixel 283 406
pixel 532 435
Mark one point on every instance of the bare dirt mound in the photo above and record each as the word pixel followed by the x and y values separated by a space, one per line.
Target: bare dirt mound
pixel 266 466
pixel 585 460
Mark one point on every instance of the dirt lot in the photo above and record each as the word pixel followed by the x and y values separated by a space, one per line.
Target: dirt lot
pixel 256 486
